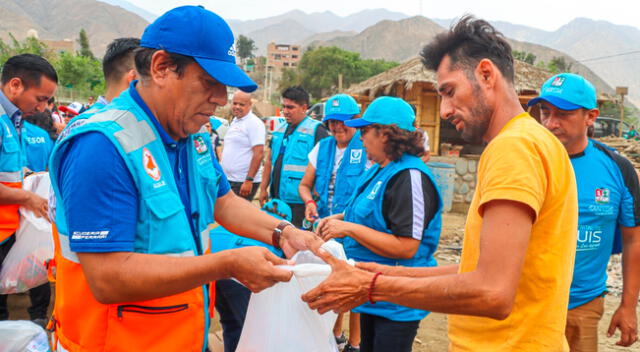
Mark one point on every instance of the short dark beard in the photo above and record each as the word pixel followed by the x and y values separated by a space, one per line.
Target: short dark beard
pixel 475 128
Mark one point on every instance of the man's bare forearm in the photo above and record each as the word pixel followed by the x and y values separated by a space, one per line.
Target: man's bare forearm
pixel 467 294
pixel 256 159
pixel 630 267
pixel 244 219
pixel 9 195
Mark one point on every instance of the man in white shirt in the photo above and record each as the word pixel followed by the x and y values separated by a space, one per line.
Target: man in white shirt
pixel 243 148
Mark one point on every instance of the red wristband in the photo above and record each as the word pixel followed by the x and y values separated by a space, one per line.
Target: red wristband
pixel 311 201
pixel 373 284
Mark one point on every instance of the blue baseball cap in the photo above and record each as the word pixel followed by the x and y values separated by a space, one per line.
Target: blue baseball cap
pixel 203 35
pixel 341 107
pixel 215 123
pixel 387 111
pixel 278 208
pixel 567 91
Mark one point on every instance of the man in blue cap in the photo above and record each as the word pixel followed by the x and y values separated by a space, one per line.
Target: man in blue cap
pixel 608 199
pixel 131 260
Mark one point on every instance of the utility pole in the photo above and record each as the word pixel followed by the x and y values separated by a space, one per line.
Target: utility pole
pixel 622 91
pixel 339 82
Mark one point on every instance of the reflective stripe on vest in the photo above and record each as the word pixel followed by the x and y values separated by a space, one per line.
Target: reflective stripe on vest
pixel 295 158
pixel 11 177
pixel 12 162
pixel 174 323
pixel 366 209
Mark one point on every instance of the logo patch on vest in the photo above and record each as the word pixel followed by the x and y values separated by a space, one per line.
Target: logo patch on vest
pixel 150 165
pixel 375 190
pixel 356 156
pixel 201 146
pixel 602 195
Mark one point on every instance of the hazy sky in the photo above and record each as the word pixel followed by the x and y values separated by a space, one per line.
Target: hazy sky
pixel 544 14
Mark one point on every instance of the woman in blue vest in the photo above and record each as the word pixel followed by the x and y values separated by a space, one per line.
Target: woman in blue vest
pixel 335 164
pixel 394 217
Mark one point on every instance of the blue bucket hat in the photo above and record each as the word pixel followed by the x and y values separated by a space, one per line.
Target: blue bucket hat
pixel 341 107
pixel 387 111
pixel 203 35
pixel 567 91
pixel 278 208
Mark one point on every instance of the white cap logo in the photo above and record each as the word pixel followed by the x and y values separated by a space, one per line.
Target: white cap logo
pixel 232 50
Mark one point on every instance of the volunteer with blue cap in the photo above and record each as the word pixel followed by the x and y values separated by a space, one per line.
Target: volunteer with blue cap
pixel 137 190
pixel 394 217
pixel 335 164
pixel 608 200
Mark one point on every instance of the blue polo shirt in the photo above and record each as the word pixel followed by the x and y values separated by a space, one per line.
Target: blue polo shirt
pixel 99 192
pixel 608 197
pixel 39 147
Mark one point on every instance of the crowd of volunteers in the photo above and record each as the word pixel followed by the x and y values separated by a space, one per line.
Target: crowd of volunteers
pixel 155 221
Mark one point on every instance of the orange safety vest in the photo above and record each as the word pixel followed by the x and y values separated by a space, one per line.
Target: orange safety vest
pixel 174 323
pixel 9 215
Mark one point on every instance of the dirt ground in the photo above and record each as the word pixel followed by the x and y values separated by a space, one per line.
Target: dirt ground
pixel 432 335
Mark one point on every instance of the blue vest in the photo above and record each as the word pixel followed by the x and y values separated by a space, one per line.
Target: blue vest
pixel 366 209
pixel 39 146
pixel 351 168
pixel 223 239
pixel 162 226
pixel 12 153
pixel 296 150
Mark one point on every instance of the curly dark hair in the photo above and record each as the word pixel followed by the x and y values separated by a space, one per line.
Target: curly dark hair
pixel 466 43
pixel 400 141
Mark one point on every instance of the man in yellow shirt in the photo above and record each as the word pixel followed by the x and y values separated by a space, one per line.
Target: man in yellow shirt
pixel 511 289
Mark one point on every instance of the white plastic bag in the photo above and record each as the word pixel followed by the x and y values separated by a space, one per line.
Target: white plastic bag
pixel 24 267
pixel 277 318
pixel 22 336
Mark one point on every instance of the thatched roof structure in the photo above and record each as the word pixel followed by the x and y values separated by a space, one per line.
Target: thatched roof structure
pixel 528 79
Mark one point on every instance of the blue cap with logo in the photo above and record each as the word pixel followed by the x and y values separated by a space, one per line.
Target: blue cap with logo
pixel 387 111
pixel 341 107
pixel 567 91
pixel 203 35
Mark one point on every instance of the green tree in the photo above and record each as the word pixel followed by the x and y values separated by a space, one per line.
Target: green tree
pixel 245 47
pixel 612 109
pixel 30 45
pixel 524 56
pixel 83 41
pixel 319 69
pixel 559 64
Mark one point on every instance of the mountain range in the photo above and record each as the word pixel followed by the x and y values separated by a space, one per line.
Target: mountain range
pixel 63 19
pixel 608 54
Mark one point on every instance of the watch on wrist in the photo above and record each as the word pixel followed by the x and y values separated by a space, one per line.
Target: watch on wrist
pixel 248 178
pixel 277 233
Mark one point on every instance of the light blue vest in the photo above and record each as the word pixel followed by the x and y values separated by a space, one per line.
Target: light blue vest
pixel 223 239
pixel 366 209
pixel 12 154
pixel 296 157
pixel 162 226
pixel 38 146
pixel 351 168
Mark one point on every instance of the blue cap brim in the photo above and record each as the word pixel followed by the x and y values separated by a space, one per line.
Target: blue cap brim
pixel 338 117
pixel 555 101
pixel 215 123
pixel 227 73
pixel 357 123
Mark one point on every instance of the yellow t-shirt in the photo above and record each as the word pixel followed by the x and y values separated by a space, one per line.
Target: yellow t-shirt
pixel 527 164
